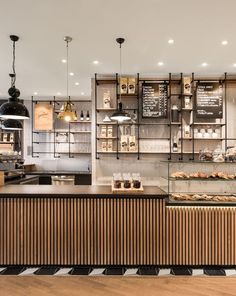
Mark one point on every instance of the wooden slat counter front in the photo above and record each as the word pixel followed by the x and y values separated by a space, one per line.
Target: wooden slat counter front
pixel 81 225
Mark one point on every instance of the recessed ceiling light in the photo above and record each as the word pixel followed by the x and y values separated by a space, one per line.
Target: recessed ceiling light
pixel 64 61
pixel 71 74
pixel 58 93
pixel 224 42
pixel 160 63
pixel 95 62
pixel 35 93
pixel 234 65
pixel 76 83
pixel 82 93
pixel 171 41
pixel 204 64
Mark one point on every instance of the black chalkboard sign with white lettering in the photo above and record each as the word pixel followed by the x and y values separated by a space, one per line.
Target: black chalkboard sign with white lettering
pixel 154 100
pixel 209 100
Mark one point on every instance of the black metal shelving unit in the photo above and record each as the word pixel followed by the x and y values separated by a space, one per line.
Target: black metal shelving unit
pixel 54 132
pixel 174 81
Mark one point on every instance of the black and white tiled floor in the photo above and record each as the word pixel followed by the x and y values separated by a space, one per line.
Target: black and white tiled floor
pixel 122 271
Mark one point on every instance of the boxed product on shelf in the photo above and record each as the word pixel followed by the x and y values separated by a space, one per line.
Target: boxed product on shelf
pixel 187 85
pixel 103 131
pixel 107 100
pixel 124 143
pixel 104 146
pixel 132 143
pixel 123 85
pixel 109 131
pixel 131 85
pixel 109 145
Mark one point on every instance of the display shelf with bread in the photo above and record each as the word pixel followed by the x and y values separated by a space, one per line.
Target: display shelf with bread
pixel 198 181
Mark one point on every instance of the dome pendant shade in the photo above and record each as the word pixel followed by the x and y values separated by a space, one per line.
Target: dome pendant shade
pixel 66 113
pixel 12 124
pixel 14 109
pixel 120 115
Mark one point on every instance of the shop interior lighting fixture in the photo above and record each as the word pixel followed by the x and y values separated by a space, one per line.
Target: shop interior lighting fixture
pixel 66 112
pixel 13 109
pixel 120 115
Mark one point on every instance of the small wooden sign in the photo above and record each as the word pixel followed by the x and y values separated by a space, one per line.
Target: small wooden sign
pixel 43 117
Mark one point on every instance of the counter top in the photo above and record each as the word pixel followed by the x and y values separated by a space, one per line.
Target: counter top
pixel 74 191
pixel 55 173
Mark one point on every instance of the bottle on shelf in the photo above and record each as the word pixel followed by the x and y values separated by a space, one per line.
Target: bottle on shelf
pixel 87 116
pixel 174 113
pixel 82 116
pixel 175 145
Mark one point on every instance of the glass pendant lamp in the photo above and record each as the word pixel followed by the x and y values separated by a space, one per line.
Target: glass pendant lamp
pixel 67 113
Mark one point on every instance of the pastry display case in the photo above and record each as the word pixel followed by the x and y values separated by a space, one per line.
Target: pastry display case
pixel 199 182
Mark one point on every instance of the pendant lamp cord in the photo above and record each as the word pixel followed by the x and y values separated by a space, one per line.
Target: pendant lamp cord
pixel 13 77
pixel 120 69
pixel 67 70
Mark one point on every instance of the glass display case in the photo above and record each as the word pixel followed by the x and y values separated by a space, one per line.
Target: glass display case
pixel 199 181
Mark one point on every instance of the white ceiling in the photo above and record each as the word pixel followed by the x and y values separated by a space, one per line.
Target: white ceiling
pixel 198 27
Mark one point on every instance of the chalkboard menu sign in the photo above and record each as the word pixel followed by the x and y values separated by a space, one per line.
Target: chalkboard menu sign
pixel 154 100
pixel 209 100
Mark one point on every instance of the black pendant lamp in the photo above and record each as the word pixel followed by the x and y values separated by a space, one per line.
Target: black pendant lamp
pixel 13 109
pixel 120 115
pixel 12 124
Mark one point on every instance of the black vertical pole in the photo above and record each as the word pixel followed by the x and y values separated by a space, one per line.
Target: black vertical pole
pixel 169 111
pixel 193 114
pixel 226 123
pixel 32 125
pixel 117 126
pixel 138 114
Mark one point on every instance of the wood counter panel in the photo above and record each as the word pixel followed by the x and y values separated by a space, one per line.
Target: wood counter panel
pixel 201 236
pixel 96 231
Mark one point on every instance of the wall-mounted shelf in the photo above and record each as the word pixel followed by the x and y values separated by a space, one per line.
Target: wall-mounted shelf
pixel 169 129
pixel 77 133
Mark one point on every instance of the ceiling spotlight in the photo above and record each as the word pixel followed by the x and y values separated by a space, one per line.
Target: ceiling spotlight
pixel 224 42
pixel 76 83
pixel 234 65
pixel 71 74
pixel 95 62
pixel 160 63
pixel 204 64
pixel 58 93
pixel 35 93
pixel 82 93
pixel 64 61
pixel 171 41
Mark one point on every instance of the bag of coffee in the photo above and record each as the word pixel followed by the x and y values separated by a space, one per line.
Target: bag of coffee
pixel 124 143
pixel 109 131
pixel 103 132
pixel 104 146
pixel 132 143
pixel 107 100
pixel 109 145
pixel 187 85
pixel 131 85
pixel 123 85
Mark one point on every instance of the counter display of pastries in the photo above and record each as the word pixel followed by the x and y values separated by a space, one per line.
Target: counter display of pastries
pixel 202 175
pixel 203 197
